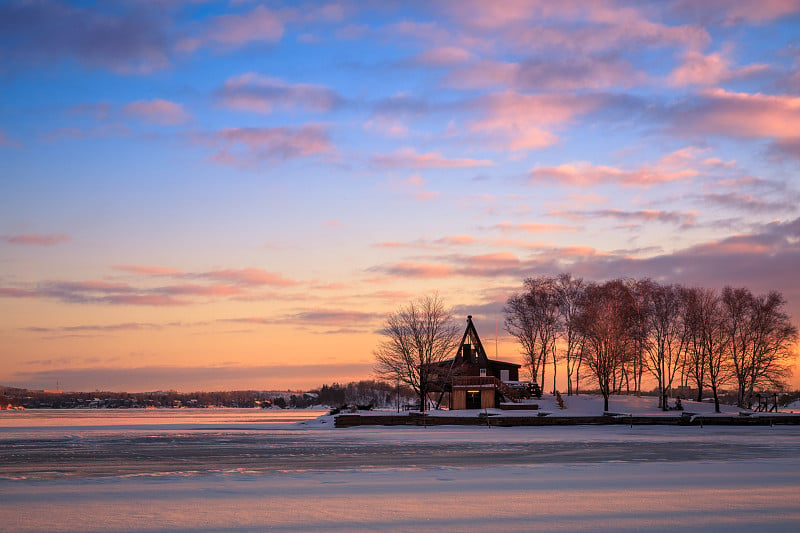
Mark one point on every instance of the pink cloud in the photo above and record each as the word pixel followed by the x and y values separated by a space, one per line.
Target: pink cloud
pixel 415 185
pixel 409 158
pixel 243 146
pixel 413 269
pixel 588 28
pixel 147 270
pixel 38 239
pixel 548 74
pixel 260 24
pixel 425 244
pixel 157 111
pixel 711 69
pixel 674 166
pixel 191 289
pixel 251 277
pixel 386 125
pixel 532 227
pixel 13 292
pixel 740 12
pixel 90 286
pixel 456 240
pixel 488 264
pixel 443 56
pixel 484 74
pixel 155 300
pixel 394 244
pixel 253 92
pixel 721 112
pixel 521 121
pixel 643 215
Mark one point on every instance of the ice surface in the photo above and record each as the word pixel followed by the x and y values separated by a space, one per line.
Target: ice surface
pixel 239 474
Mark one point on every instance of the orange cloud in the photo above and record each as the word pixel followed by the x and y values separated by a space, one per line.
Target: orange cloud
pixel 158 111
pixel 409 158
pixel 456 240
pixel 38 239
pixel 147 270
pixel 531 227
pixel 251 277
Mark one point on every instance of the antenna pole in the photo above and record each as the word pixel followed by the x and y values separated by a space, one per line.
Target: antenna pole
pixel 495 337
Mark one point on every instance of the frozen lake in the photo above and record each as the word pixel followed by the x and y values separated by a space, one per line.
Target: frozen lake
pixel 253 470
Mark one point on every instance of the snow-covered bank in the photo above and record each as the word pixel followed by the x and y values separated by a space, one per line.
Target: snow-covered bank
pixel 584 409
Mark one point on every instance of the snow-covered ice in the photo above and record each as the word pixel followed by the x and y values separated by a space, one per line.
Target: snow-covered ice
pixel 234 470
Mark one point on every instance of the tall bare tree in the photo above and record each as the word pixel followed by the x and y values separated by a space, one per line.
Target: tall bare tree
pixel 607 321
pixel 569 292
pixel 667 336
pixel 641 290
pixel 697 304
pixel 532 317
pixel 760 337
pixel 418 338
pixel 714 342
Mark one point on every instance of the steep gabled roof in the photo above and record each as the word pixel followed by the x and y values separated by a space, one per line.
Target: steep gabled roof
pixel 472 339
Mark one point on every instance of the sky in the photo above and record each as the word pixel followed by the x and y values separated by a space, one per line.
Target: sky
pixel 234 195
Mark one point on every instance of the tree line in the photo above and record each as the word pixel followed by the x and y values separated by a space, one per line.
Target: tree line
pixel 621 330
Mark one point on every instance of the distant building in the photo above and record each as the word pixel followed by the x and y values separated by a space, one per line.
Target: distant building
pixel 473 380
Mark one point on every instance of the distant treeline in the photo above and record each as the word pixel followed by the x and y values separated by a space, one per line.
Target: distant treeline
pixel 375 393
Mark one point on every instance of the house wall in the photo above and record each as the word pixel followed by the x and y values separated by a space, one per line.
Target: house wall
pixel 459 399
pixel 487 398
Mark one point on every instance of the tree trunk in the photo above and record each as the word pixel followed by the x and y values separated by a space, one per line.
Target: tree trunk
pixel 716 398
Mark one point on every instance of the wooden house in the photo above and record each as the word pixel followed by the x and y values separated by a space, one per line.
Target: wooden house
pixel 477 382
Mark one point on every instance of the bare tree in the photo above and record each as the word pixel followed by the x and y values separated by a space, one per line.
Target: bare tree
pixel 760 337
pixel 667 336
pixel 569 292
pixel 697 303
pixel 532 317
pixel 607 321
pixel 641 291
pixel 418 338
pixel 713 342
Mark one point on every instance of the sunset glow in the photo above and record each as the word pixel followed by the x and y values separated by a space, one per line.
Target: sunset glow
pixel 234 195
